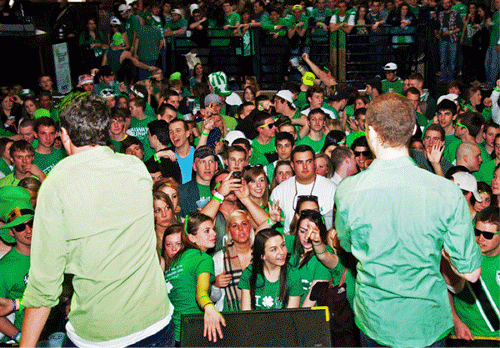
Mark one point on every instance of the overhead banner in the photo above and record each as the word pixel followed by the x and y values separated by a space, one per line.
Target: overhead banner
pixel 61 62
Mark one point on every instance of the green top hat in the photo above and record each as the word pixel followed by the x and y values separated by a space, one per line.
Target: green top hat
pixel 15 209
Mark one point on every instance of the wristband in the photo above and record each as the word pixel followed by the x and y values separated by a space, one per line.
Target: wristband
pixel 157 159
pixel 150 68
pixel 19 303
pixel 270 222
pixel 275 27
pixel 324 251
pixel 219 197
pixel 14 306
pixel 204 133
pixel 208 304
pixel 204 300
pixel 173 32
pixel 17 337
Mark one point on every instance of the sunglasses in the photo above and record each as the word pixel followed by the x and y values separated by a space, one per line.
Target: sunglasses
pixel 487 235
pixel 364 153
pixel 269 125
pixel 312 214
pixel 22 227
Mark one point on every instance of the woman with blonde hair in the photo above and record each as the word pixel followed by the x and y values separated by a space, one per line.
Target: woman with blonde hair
pixel 171 188
pixel 230 262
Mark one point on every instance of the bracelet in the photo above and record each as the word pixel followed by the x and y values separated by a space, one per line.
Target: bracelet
pixel 275 27
pixel 219 197
pixel 173 32
pixel 204 133
pixel 14 306
pixel 270 222
pixel 204 301
pixel 324 251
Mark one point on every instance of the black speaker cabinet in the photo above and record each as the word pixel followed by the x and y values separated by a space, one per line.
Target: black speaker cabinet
pixel 269 328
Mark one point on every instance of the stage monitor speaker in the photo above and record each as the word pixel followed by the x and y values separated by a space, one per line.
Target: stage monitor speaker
pixel 267 328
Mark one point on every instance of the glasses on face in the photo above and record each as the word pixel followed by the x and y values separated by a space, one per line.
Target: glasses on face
pixel 364 153
pixel 486 235
pixel 269 125
pixel 22 227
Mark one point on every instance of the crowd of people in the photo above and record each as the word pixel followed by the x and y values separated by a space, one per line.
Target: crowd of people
pixel 165 196
pixel 456 38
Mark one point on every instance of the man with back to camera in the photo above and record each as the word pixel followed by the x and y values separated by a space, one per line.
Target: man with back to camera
pixel 407 216
pixel 95 220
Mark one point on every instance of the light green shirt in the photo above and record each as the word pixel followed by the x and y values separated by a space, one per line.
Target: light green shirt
pixel 94 219
pixel 396 219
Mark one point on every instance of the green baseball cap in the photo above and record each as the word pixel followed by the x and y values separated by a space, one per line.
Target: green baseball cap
pixel 41 113
pixel 15 209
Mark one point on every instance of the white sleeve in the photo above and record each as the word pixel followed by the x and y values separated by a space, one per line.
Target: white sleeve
pixel 217 294
pixel 350 21
pixel 495 110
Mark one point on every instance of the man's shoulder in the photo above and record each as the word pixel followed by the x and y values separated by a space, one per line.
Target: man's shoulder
pixel 190 185
pixel 325 183
pixel 284 186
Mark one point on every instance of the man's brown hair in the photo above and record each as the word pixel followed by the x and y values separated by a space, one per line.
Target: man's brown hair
pixel 393 117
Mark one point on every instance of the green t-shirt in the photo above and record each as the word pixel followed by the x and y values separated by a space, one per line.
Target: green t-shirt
pixel 181 278
pixel 45 162
pixel 312 270
pixel 486 172
pixel 11 180
pixel 495 28
pixel 117 145
pixel 260 150
pixel 14 268
pixel 320 17
pixel 421 119
pixel 466 305
pixel 176 25
pixel 393 86
pixel 149 43
pixel 267 293
pixel 132 25
pixel 204 191
pixel 139 129
pixel 315 144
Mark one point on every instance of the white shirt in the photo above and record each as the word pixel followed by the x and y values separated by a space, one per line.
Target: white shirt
pixel 288 191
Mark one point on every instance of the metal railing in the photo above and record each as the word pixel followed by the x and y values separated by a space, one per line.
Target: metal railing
pixel 365 54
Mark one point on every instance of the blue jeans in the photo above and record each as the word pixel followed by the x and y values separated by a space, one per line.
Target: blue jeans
pixel 368 342
pixel 448 56
pixel 492 66
pixel 144 74
pixel 163 338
